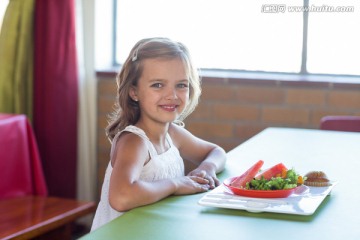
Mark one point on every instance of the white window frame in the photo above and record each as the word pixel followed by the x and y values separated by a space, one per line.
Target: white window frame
pixel 106 53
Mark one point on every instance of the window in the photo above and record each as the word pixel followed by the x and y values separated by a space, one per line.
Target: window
pixel 334 37
pixel 284 36
pixel 3 5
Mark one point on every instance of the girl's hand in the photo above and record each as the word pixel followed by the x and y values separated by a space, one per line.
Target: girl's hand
pixel 190 184
pixel 210 176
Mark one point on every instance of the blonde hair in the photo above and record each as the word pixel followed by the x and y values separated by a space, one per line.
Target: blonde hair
pixel 127 111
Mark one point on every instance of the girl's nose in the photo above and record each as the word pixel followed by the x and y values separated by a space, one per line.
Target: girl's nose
pixel 171 94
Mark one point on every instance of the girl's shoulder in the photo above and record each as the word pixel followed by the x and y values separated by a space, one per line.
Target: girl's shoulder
pixel 175 130
pixel 129 129
pixel 132 134
pixel 129 139
pixel 129 145
pixel 179 134
pixel 135 130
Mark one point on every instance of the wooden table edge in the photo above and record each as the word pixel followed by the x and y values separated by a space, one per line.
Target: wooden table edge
pixel 53 223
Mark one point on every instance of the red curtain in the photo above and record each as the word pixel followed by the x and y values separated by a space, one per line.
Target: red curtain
pixel 56 94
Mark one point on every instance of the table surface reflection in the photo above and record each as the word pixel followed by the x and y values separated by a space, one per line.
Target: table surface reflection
pixel 31 216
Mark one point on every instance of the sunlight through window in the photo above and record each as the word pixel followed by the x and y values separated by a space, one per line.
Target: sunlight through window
pixel 334 38
pixel 3 5
pixel 262 35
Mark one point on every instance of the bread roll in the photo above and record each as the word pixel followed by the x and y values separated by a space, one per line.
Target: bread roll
pixel 317 179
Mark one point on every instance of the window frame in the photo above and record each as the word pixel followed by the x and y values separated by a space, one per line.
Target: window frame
pixel 302 75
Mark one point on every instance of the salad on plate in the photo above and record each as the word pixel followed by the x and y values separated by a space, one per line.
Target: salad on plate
pixel 276 181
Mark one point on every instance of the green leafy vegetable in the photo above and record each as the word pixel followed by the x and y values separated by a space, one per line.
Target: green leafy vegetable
pixel 275 183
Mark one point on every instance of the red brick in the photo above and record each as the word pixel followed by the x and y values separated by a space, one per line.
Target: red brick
pixel 106 105
pixel 213 80
pixel 235 112
pixel 217 92
pixel 107 74
pixel 260 95
pixel 351 86
pixel 305 97
pixel 210 130
pixel 344 99
pixel 286 116
pixel 246 131
pixel 253 82
pixel 304 83
pixel 107 87
pixel 202 111
pixel 228 144
pixel 103 142
pixel 102 122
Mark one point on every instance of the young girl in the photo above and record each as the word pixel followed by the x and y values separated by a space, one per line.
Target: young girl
pixel 151 150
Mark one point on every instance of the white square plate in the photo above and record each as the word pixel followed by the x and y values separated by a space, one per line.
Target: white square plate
pixel 304 203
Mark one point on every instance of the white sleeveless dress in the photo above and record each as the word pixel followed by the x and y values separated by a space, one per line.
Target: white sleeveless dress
pixel 161 166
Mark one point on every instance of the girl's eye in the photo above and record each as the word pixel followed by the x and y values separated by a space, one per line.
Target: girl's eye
pixel 182 85
pixel 157 85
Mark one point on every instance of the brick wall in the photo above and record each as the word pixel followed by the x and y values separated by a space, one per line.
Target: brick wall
pixel 233 110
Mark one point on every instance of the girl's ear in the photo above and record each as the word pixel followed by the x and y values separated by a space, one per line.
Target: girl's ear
pixel 133 94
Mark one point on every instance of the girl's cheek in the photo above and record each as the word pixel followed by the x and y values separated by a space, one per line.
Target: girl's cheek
pixel 186 96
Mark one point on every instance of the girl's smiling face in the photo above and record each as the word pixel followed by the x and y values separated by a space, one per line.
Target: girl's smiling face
pixel 162 90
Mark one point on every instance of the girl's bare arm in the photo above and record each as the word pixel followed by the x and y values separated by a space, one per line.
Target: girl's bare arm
pixel 127 191
pixel 206 158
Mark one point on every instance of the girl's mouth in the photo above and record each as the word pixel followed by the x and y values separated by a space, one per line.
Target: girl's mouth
pixel 169 108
